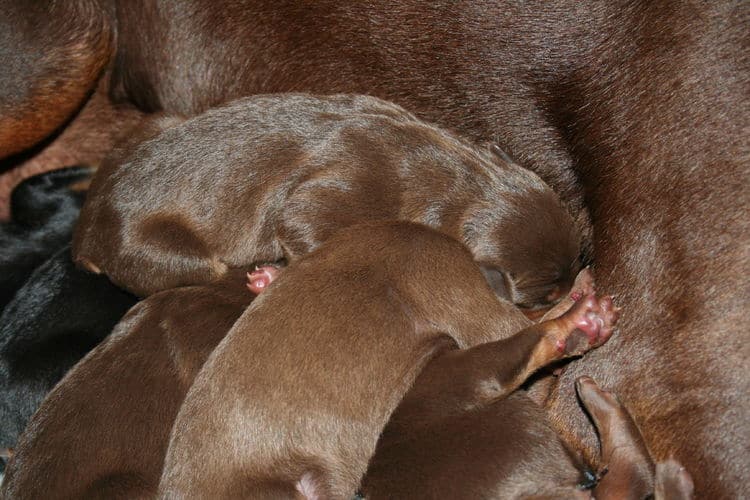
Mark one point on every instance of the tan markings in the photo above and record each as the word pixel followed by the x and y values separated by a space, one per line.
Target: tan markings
pixel 56 97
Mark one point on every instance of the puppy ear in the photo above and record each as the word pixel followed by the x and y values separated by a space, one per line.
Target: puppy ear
pixel 500 282
pixel 498 151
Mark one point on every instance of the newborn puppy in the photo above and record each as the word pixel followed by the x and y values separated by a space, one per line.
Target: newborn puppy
pixel 444 441
pixel 103 431
pixel 274 176
pixel 447 446
pixel 55 318
pixel 294 403
pixel 44 209
pixel 440 444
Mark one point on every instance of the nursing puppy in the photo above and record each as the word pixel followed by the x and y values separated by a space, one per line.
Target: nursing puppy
pixel 440 444
pixel 54 319
pixel 273 177
pixel 103 431
pixel 293 404
pixel 44 209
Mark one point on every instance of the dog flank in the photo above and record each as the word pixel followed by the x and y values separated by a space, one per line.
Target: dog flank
pixel 64 58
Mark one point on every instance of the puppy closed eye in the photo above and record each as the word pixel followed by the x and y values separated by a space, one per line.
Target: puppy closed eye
pixel 498 281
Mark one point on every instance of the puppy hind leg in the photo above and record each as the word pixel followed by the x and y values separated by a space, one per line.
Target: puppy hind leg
pixel 460 380
pixel 329 199
pixel 167 252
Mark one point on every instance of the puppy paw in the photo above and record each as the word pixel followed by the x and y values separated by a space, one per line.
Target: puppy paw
pixel 588 324
pixel 262 276
pixel 582 286
pixel 597 401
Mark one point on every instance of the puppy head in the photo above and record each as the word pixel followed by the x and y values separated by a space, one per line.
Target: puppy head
pixel 527 246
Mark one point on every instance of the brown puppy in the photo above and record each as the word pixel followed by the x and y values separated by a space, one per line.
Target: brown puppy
pixel 439 444
pixel 104 429
pixel 443 441
pixel 635 111
pixel 294 403
pixel 272 177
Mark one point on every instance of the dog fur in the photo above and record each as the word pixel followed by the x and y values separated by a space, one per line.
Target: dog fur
pixel 635 111
pixel 291 404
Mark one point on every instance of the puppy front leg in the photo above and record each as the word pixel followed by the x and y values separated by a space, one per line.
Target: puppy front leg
pixel 628 469
pixel 582 286
pixel 460 380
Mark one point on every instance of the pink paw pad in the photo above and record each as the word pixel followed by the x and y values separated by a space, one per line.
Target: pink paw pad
pixel 259 279
pixel 597 319
pixel 593 316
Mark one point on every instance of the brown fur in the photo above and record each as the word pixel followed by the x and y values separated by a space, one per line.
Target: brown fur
pixel 56 52
pixel 635 111
pixel 373 305
pixel 463 432
pixel 440 444
pixel 672 481
pixel 104 429
pixel 272 177
pixel 460 432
